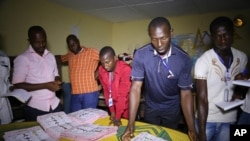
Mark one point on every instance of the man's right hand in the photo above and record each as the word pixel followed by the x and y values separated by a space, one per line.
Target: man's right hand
pixel 128 134
pixel 53 86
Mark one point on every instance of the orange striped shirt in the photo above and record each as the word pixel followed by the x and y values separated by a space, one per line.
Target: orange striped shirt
pixel 82 67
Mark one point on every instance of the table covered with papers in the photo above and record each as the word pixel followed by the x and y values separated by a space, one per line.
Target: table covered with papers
pixel 140 128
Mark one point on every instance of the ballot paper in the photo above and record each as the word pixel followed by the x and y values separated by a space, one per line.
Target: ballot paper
pixel 35 133
pixel 55 123
pixel 89 132
pixel 229 105
pixel 88 115
pixel 20 94
pixel 145 136
pixel 242 82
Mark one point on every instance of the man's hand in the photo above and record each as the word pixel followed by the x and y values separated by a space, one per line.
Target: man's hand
pixel 240 91
pixel 192 136
pixel 12 88
pixel 115 122
pixel 53 86
pixel 127 135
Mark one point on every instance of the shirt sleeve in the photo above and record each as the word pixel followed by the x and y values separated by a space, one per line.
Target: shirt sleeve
pixel 56 72
pixel 138 70
pixel 21 69
pixel 65 58
pixel 95 54
pixel 200 69
pixel 185 80
pixel 123 92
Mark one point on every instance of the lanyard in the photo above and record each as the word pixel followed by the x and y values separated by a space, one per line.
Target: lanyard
pixel 110 100
pixel 165 64
pixel 230 61
pixel 224 63
pixel 227 75
pixel 110 84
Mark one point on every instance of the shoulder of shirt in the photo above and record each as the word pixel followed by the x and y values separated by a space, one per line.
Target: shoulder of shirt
pixel 238 51
pixel 209 52
pixel 3 54
pixel 121 65
pixel 89 48
pixel 177 49
pixel 146 47
pixel 24 54
pixel 101 69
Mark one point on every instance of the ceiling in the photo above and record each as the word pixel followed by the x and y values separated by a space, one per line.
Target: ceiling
pixel 128 10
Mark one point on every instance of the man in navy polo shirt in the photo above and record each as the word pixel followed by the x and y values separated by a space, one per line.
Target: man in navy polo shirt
pixel 165 70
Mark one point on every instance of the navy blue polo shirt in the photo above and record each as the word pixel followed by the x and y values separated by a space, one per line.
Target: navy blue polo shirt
pixel 162 91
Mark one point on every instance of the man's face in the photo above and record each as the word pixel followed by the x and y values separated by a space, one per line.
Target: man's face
pixel 222 38
pixel 160 38
pixel 38 42
pixel 74 45
pixel 108 62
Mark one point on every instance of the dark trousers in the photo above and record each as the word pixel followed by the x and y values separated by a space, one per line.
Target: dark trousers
pixel 32 113
pixel 66 87
pixel 162 117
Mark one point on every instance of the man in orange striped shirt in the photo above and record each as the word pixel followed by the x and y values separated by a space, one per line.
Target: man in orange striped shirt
pixel 82 62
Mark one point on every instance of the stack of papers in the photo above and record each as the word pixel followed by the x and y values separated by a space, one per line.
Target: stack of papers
pixel 145 136
pixel 89 115
pixel 54 126
pixel 55 123
pixel 89 132
pixel 35 133
pixel 77 125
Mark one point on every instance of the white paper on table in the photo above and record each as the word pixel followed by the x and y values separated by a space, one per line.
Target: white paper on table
pixel 242 82
pixel 229 105
pixel 34 133
pixel 145 136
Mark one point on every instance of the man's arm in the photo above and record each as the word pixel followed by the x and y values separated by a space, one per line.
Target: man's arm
pixel 187 104
pixel 134 100
pixel 202 107
pixel 63 59
pixel 123 92
pixel 53 86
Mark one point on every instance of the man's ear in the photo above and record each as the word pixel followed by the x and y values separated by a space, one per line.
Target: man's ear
pixel 171 32
pixel 116 58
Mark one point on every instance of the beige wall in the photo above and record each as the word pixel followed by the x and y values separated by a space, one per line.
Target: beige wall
pixel 16 16
pixel 130 35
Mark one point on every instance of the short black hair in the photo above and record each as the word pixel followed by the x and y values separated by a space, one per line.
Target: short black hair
pixel 105 50
pixel 222 21
pixel 71 37
pixel 159 21
pixel 35 29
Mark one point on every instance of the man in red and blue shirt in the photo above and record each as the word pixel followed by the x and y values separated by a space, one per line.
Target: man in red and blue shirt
pixel 114 76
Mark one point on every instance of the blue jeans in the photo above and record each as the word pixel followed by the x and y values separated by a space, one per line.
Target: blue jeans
pixel 216 131
pixel 82 101
pixel 244 118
